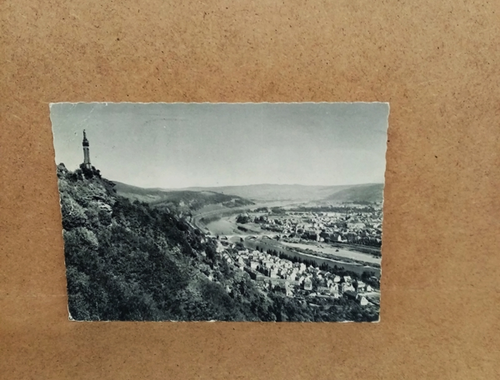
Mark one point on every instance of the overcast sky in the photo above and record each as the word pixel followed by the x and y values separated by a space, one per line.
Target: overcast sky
pixel 201 144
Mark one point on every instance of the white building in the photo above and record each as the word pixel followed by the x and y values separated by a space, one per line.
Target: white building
pixel 308 284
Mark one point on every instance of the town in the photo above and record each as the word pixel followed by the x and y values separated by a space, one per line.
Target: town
pixel 355 224
pixel 314 254
pixel 305 281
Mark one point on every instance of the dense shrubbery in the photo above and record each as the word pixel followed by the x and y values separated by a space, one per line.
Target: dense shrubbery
pixel 242 219
pixel 131 261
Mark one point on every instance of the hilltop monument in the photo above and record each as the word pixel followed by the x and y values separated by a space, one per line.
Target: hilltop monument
pixel 86 151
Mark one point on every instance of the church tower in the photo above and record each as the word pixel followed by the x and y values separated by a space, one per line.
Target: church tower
pixel 86 152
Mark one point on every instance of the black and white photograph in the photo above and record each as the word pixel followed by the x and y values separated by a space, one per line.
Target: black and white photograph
pixel 259 212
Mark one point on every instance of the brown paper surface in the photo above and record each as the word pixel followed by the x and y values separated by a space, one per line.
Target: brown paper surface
pixel 436 62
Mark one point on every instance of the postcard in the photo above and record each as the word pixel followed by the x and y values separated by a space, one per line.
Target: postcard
pixel 266 212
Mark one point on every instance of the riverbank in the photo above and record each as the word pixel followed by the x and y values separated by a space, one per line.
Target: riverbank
pixel 266 244
pixel 326 250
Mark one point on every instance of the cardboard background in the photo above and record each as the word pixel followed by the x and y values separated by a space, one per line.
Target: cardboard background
pixel 436 62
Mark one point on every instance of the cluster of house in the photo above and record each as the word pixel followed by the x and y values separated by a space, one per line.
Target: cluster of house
pixel 356 227
pixel 271 272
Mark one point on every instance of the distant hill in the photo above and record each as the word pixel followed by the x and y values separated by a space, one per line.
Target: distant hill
pixel 195 198
pixel 267 192
pixel 180 200
pixel 360 193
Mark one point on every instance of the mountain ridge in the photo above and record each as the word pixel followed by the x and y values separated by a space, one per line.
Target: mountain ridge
pixel 181 201
pixel 368 192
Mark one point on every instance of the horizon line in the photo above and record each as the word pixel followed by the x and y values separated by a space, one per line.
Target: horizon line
pixel 246 185
pixel 241 185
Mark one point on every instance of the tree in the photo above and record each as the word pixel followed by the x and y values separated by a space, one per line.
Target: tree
pixel 242 219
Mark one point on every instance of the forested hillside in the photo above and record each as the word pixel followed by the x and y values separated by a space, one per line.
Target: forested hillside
pixel 179 201
pixel 359 193
pixel 130 261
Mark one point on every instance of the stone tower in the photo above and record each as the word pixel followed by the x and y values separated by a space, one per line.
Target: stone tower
pixel 86 152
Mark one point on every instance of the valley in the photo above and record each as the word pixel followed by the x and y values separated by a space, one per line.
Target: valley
pixel 318 244
pixel 223 224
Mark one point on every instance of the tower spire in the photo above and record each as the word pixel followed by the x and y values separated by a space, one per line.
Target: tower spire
pixel 86 151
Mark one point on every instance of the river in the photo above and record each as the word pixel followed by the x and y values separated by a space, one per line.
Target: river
pixel 226 225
